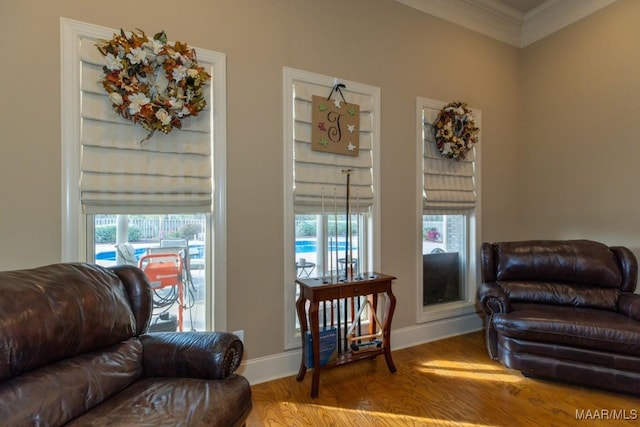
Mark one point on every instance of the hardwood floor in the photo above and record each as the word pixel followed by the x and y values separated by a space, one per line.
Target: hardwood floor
pixel 451 382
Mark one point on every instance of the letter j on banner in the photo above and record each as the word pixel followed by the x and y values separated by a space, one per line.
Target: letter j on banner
pixel 335 125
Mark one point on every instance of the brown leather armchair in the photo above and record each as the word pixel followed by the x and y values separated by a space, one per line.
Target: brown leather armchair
pixel 73 351
pixel 563 310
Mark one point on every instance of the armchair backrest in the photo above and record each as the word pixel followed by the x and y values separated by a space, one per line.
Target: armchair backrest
pixel 61 310
pixel 568 272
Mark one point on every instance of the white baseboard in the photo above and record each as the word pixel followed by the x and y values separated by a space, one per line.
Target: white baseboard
pixel 286 364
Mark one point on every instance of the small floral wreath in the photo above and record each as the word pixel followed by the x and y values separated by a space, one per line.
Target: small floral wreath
pixel 152 82
pixel 455 131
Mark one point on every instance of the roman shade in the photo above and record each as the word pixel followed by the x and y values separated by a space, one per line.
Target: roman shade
pixel 318 174
pixel 170 173
pixel 447 184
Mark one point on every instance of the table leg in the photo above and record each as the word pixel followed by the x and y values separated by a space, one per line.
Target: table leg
pixel 315 339
pixel 372 320
pixel 302 317
pixel 386 329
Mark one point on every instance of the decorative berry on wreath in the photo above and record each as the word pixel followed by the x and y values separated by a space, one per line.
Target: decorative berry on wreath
pixel 455 131
pixel 152 82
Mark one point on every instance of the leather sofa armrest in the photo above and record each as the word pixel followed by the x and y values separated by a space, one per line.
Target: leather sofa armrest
pixel 493 299
pixel 629 305
pixel 207 355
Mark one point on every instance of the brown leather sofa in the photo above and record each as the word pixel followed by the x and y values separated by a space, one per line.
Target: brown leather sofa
pixel 74 352
pixel 563 310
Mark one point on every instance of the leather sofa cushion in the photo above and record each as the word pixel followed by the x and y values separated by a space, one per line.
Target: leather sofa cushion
pixel 70 309
pixel 571 326
pixel 57 393
pixel 586 368
pixel 179 402
pixel 524 350
pixel 544 292
pixel 574 261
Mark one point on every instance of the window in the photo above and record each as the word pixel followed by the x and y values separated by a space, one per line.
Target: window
pixel 172 251
pixel 316 222
pixel 448 223
pixel 128 203
pixel 321 245
pixel 321 249
pixel 444 250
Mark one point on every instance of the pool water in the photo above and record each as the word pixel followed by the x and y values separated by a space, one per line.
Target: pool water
pixel 195 252
pixel 302 247
pixel 309 246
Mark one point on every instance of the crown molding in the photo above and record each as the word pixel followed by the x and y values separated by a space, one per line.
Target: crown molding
pixel 553 15
pixel 497 20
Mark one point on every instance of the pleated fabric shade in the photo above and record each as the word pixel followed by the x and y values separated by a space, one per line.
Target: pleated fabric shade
pixel 448 184
pixel 318 175
pixel 170 173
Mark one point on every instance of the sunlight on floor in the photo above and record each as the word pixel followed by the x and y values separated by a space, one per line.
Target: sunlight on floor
pixel 475 371
pixel 386 418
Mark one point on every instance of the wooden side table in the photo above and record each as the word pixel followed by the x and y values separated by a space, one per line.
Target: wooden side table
pixel 315 290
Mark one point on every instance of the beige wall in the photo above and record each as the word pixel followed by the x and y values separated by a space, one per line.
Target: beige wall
pixel 580 148
pixel 381 42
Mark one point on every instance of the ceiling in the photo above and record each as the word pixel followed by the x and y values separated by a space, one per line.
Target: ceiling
pixel 516 22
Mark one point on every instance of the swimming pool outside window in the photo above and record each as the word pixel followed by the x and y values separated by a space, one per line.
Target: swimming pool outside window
pixel 321 250
pixel 322 240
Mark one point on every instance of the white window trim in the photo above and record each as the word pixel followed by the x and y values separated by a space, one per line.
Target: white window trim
pixel 290 75
pixel 472 272
pixel 73 220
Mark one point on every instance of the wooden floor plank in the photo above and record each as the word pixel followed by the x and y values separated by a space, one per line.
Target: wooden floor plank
pixel 451 382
